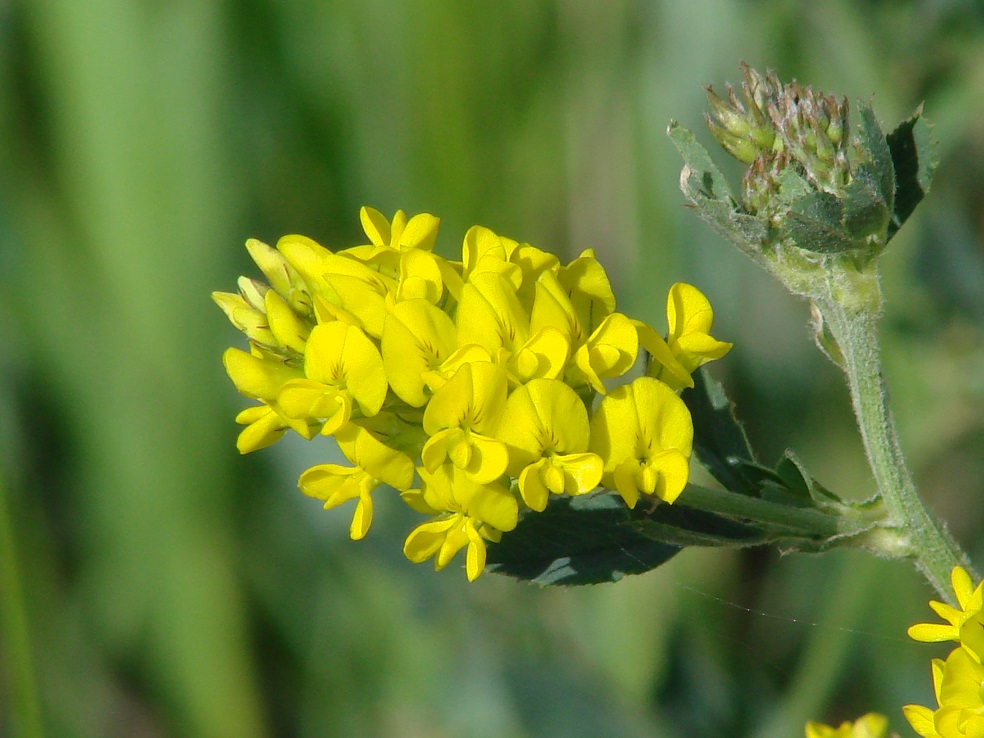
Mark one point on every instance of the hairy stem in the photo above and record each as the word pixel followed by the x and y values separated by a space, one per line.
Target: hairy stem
pixel 850 302
pixel 795 522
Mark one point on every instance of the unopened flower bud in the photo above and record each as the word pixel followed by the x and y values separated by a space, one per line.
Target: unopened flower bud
pixel 253 292
pixel 272 263
pixel 742 127
pixel 283 277
pixel 742 148
pixel 245 317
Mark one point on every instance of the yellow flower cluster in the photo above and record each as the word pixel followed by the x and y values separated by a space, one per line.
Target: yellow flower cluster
pixel 871 725
pixel 468 386
pixel 959 679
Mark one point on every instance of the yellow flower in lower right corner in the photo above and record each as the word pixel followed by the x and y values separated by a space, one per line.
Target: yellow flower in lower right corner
pixel 644 434
pixel 957 684
pixel 871 725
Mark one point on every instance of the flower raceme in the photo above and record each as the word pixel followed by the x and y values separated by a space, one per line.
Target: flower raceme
pixel 475 388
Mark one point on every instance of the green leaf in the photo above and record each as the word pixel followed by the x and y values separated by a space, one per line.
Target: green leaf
pixel 875 156
pixel 701 173
pixel 721 445
pixel 815 223
pixel 866 211
pixel 826 223
pixel 720 442
pixel 914 157
pixel 792 186
pixel 587 539
pixel 799 481
pixel 793 475
pixel 705 186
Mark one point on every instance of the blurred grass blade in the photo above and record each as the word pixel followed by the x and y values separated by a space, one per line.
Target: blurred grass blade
pixel 19 674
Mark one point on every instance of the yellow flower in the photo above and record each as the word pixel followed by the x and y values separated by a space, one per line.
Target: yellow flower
pixel 341 365
pixel 586 283
pixel 644 435
pixel 971 601
pixel 261 377
pixel 283 277
pixel 663 365
pixel 251 312
pixel 532 262
pixel 466 513
pixel 609 352
pixel 264 427
pixel 335 484
pixel 483 252
pixel 958 684
pixel 547 436
pixel 871 725
pixel 420 276
pixel 604 344
pixel 419 232
pixel 690 316
pixel 306 257
pixel 247 314
pixel 375 464
pixel 290 331
pixel 356 289
pixel 490 315
pixel 417 339
pixel 688 344
pixel 390 244
pixel 461 420
pixel 258 375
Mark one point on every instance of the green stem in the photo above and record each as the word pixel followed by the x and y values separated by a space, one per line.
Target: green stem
pixel 849 301
pixel 793 522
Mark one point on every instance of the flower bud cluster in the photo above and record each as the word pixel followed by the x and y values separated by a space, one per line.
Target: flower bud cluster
pixel 772 126
pixel 467 386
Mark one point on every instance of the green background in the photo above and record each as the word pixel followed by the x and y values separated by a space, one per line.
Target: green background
pixel 155 583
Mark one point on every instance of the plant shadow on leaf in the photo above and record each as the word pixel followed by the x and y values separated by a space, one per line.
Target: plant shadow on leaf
pixel 914 159
pixel 577 540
